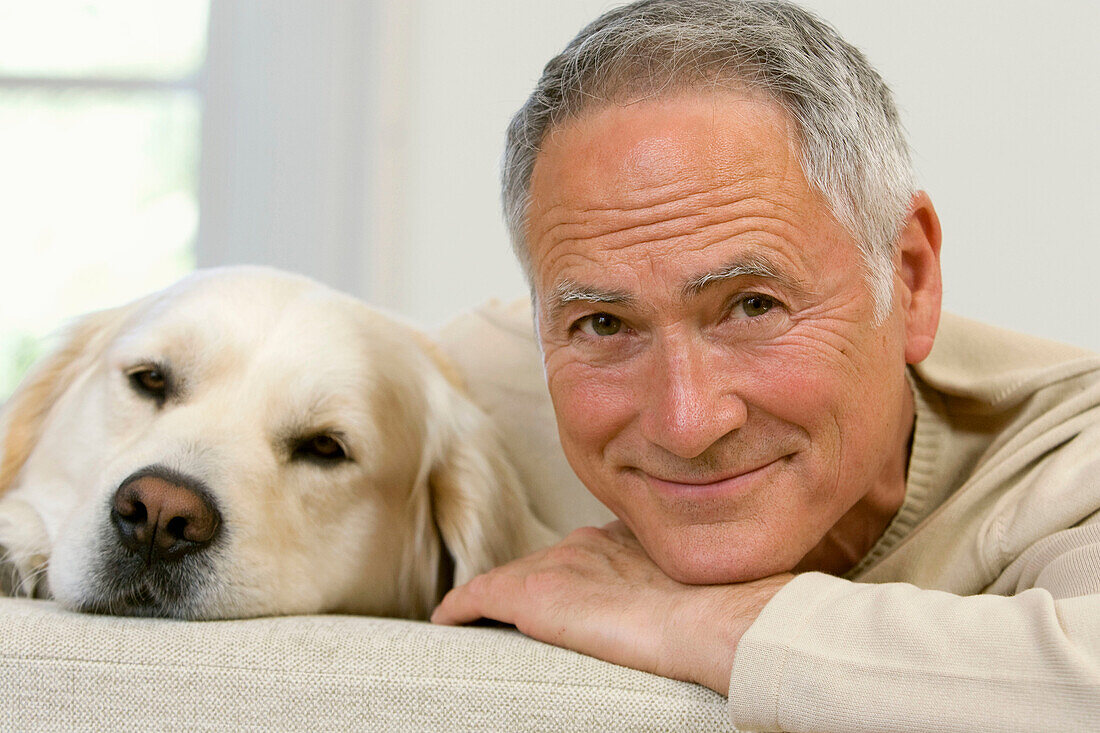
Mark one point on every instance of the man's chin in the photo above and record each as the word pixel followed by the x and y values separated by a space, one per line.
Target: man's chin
pixel 707 555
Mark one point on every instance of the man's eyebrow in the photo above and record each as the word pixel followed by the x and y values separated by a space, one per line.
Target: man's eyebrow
pixel 748 266
pixel 569 291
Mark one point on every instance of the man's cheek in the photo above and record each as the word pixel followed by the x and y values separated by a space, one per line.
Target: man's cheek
pixel 796 390
pixel 592 405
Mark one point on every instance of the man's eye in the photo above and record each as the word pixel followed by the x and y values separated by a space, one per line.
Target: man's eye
pixel 600 324
pixel 753 306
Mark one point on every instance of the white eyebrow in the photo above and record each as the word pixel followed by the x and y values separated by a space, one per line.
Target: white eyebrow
pixel 751 266
pixel 569 291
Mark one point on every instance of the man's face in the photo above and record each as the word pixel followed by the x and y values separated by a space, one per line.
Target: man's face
pixel 710 346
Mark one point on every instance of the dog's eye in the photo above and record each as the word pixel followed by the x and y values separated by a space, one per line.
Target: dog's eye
pixel 149 381
pixel 323 448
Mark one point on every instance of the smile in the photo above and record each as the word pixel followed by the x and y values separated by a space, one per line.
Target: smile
pixel 729 486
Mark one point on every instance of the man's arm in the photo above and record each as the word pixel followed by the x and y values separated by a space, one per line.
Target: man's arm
pixel 832 655
pixel 598 593
pixel 825 653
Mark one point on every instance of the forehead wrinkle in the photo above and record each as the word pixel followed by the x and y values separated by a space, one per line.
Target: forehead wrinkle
pixel 654 228
pixel 668 219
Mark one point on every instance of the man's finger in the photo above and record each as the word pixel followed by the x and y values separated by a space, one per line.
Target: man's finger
pixel 459 606
pixel 474 600
pixel 452 611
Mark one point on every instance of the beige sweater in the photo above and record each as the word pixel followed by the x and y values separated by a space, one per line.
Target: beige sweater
pixel 979 608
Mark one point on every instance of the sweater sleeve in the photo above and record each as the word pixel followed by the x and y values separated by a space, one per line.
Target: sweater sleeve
pixel 832 655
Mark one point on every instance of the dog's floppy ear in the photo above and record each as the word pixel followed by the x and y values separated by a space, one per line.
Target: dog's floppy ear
pixel 23 416
pixel 468 496
pixel 477 500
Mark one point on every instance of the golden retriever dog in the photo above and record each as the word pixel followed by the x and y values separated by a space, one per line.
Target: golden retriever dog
pixel 245 443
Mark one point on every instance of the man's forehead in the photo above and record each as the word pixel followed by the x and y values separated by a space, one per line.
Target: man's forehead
pixel 654 170
pixel 708 138
pixel 681 192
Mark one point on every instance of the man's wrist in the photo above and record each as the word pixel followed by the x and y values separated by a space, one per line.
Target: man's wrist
pixel 709 625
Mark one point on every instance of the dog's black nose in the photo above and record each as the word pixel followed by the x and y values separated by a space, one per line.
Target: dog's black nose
pixel 162 518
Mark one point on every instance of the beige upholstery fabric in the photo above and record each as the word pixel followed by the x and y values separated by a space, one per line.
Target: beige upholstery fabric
pixel 65 671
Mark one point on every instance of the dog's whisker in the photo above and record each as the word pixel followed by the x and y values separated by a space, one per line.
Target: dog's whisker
pixel 29 583
pixel 23 583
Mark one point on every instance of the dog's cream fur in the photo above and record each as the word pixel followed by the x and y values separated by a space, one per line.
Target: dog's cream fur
pixel 260 358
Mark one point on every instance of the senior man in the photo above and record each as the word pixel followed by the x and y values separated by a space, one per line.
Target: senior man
pixel 737 288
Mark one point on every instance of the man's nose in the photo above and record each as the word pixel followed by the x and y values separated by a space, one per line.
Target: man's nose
pixel 689 401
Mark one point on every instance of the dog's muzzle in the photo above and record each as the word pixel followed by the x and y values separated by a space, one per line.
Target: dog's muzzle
pixel 157 550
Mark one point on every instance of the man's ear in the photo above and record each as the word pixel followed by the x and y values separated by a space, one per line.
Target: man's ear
pixel 919 281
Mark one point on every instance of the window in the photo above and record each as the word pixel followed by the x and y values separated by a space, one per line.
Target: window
pixel 100 124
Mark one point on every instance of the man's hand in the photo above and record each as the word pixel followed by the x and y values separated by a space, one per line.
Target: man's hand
pixel 597 592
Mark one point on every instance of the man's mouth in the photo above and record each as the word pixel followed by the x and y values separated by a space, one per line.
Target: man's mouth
pixel 726 485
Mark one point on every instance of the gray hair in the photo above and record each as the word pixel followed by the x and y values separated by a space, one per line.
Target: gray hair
pixel 852 146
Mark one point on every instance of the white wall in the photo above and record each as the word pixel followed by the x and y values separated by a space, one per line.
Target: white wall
pixel 468 68
pixel 1001 99
pixel 287 138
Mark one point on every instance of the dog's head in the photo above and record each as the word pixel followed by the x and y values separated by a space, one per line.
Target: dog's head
pixel 250 442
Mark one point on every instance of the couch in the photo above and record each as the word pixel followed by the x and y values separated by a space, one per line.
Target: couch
pixel 66 671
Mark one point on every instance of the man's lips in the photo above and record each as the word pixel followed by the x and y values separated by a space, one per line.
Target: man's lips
pixel 724 484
